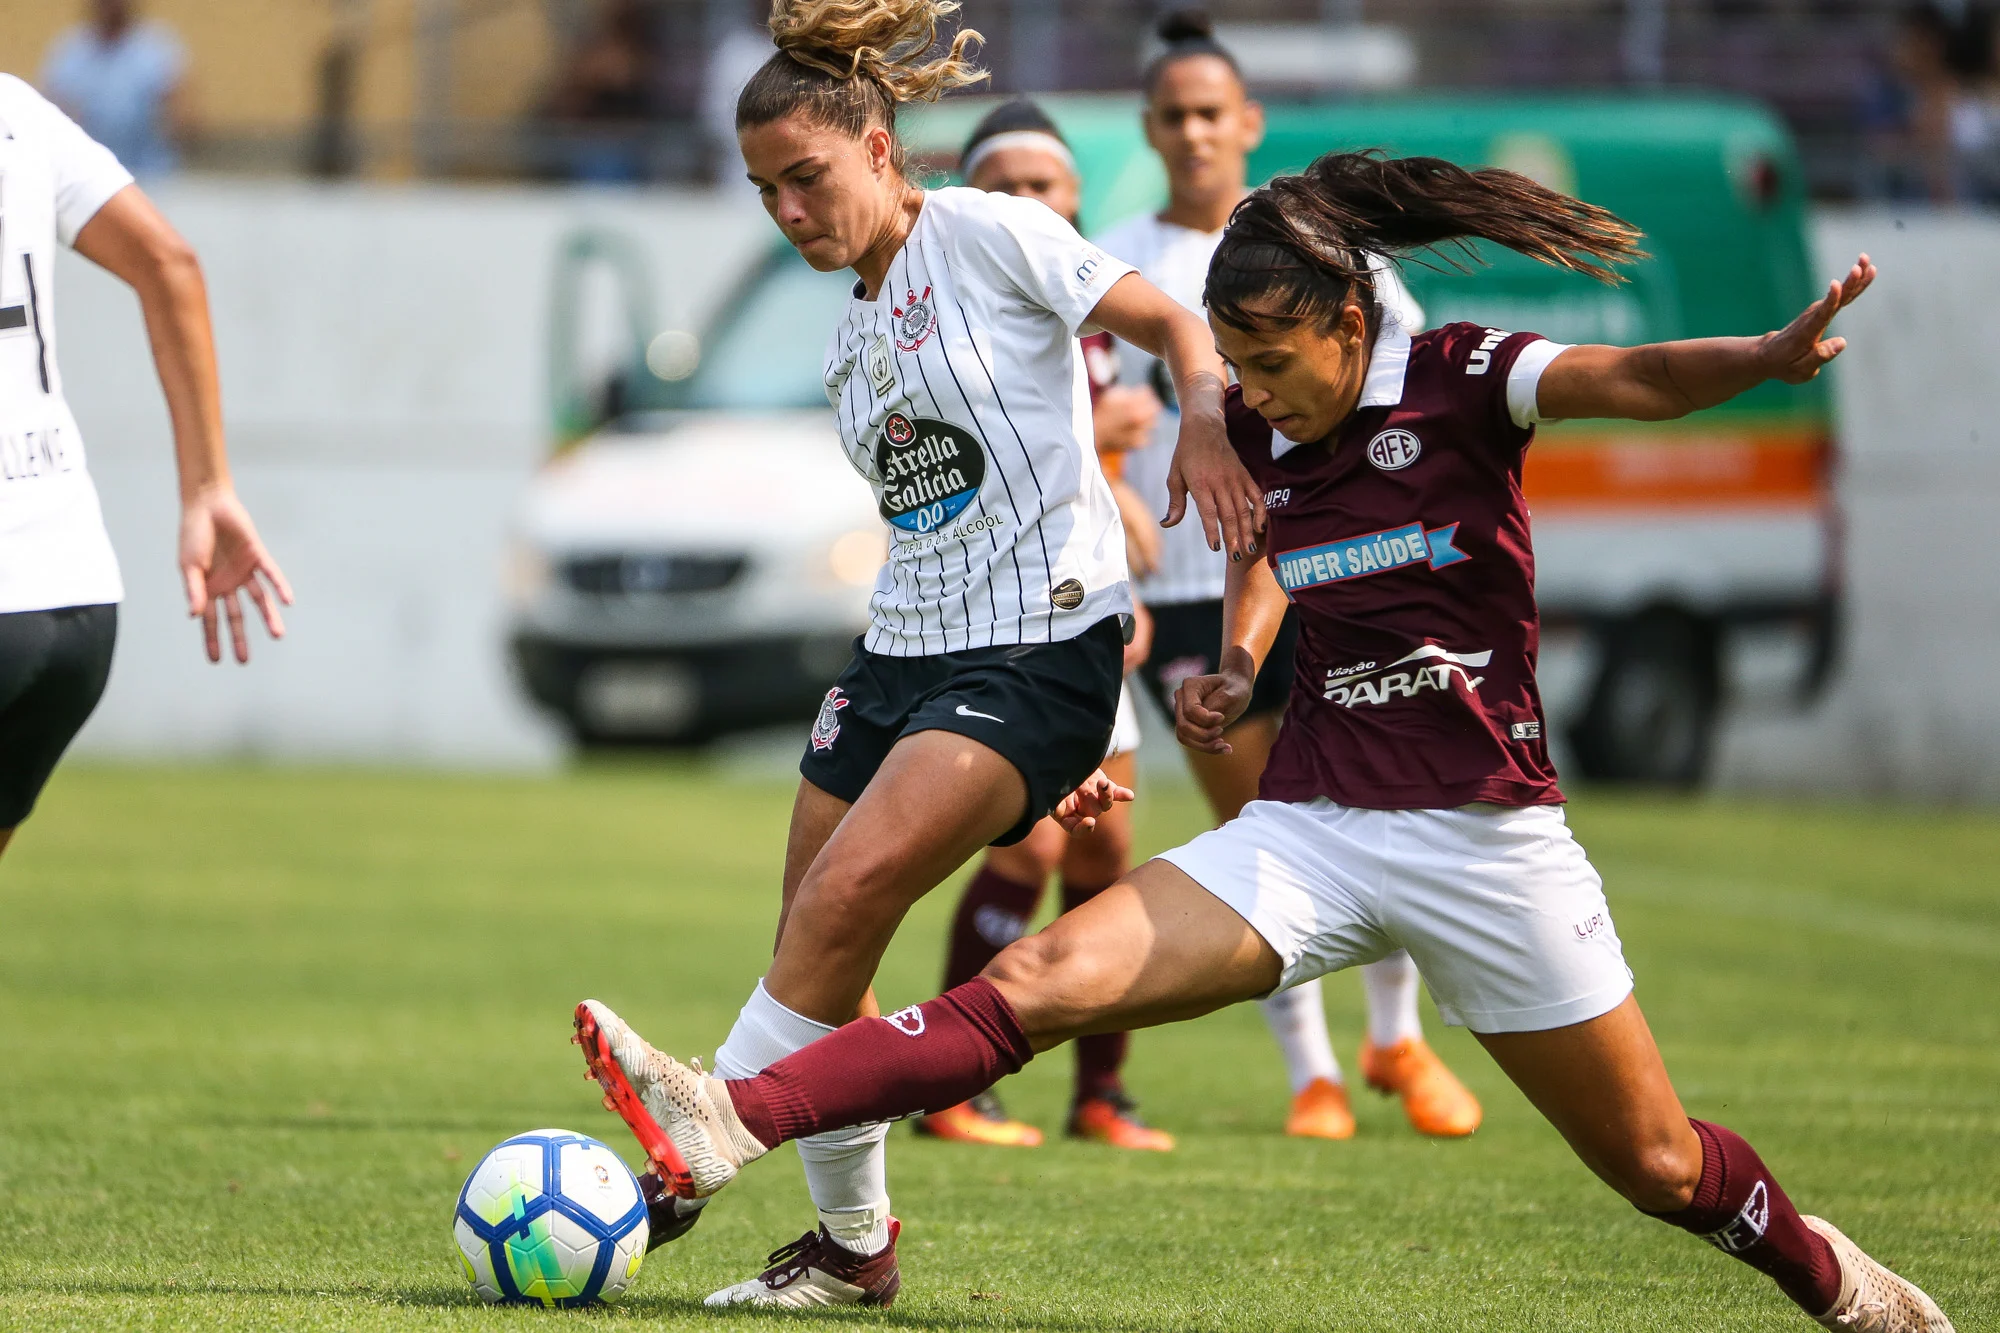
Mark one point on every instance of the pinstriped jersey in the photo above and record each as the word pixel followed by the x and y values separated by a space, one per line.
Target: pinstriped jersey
pixel 961 397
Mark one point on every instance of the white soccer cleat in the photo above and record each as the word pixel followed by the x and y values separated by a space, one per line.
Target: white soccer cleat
pixel 1873 1299
pixel 682 1117
pixel 817 1270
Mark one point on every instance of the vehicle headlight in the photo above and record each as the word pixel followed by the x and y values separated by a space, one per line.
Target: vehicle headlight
pixel 856 557
pixel 528 575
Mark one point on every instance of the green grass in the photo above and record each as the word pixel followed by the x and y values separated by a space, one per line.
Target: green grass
pixel 255 1026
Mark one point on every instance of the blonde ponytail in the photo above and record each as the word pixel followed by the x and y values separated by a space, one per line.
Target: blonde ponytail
pixel 883 41
pixel 849 64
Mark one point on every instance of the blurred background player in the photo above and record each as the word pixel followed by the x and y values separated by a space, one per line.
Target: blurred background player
pixel 1016 149
pixel 983 695
pixel 59 581
pixel 1200 119
pixel 124 79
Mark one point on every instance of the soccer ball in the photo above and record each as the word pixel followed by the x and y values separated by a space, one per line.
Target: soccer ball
pixel 551 1218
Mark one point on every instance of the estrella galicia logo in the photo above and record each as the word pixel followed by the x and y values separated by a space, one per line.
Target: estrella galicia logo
pixel 915 320
pixel 1394 449
pixel 930 472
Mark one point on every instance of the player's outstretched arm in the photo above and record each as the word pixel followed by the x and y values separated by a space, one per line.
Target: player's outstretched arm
pixel 1205 469
pixel 1205 707
pixel 1662 381
pixel 220 552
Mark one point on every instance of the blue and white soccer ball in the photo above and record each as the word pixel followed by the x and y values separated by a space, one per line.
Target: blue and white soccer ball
pixel 551 1218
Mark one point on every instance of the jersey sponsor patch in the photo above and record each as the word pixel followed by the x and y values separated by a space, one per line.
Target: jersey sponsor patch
pixel 930 471
pixel 1428 667
pixel 1481 359
pixel 915 320
pixel 881 370
pixel 1375 553
pixel 1393 450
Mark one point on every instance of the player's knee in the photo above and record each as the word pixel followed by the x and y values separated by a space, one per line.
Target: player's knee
pixel 1661 1177
pixel 1052 982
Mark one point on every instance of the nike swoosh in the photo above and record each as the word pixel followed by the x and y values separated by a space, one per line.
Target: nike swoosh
pixel 963 711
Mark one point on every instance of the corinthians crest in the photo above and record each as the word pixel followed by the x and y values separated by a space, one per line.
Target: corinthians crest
pixel 826 728
pixel 915 320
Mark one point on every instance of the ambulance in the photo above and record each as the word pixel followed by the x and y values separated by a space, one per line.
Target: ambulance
pixel 1683 568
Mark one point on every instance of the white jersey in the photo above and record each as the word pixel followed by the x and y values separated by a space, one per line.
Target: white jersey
pixel 53 179
pixel 1175 259
pixel 961 397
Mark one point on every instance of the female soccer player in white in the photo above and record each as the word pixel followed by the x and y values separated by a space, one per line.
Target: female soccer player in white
pixel 984 690
pixel 1409 801
pixel 1201 121
pixel 59 583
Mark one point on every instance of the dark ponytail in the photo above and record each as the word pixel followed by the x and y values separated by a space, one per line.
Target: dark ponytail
pixel 1184 33
pixel 1299 248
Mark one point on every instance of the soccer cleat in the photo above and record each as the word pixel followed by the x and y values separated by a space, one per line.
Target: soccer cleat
pixel 1433 1098
pixel 816 1269
pixel 682 1118
pixel 1320 1111
pixel 1114 1119
pixel 981 1120
pixel 1873 1299
pixel 668 1215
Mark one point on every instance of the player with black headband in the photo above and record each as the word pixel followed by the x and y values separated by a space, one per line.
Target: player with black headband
pixel 59 581
pixel 1016 149
pixel 1203 123
pixel 1410 801
pixel 983 694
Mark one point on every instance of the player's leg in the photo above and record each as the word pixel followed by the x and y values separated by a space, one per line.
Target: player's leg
pixel 53 668
pixel 1101 1109
pixel 993 911
pixel 1604 1087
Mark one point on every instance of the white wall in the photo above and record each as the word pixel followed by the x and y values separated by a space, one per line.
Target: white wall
pixel 385 381
pixel 385 384
pixel 1913 711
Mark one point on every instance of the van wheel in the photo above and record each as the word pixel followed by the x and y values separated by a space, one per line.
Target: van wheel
pixel 1653 708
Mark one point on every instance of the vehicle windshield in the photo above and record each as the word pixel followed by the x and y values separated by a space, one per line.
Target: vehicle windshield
pixel 767 350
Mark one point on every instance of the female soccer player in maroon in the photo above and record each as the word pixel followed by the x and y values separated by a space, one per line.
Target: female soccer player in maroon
pixel 1410 801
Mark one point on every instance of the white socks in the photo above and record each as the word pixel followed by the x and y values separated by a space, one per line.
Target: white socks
pixel 846 1169
pixel 1391 984
pixel 1298 1020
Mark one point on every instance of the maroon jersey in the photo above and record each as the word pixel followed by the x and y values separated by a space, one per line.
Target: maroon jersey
pixel 1404 544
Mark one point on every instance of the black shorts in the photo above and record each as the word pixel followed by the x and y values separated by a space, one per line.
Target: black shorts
pixel 1047 708
pixel 53 665
pixel 1187 641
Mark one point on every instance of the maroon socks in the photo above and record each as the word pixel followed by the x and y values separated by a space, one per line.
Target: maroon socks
pixel 1739 1209
pixel 923 1058
pixel 992 914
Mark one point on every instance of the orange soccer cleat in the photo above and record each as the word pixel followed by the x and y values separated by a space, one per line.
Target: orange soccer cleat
pixel 1114 1119
pixel 1320 1111
pixel 1433 1098
pixel 981 1120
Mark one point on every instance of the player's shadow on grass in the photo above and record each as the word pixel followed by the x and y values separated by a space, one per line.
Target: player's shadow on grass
pixel 954 1311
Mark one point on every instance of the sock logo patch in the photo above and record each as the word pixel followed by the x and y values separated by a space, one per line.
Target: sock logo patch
pixel 910 1022
pixel 1749 1225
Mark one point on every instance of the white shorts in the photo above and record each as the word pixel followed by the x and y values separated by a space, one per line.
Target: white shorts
pixel 1125 730
pixel 1499 907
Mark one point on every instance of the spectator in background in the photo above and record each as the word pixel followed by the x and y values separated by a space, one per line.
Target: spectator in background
pixel 124 80
pixel 1907 113
pixel 607 93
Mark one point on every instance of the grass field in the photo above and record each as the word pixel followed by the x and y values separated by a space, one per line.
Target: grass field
pixel 255 1026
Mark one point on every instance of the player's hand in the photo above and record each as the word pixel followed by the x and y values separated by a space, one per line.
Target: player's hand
pixel 1797 352
pixel 222 556
pixel 1141 647
pixel 1206 706
pixel 1206 470
pixel 1078 812
pixel 1123 417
